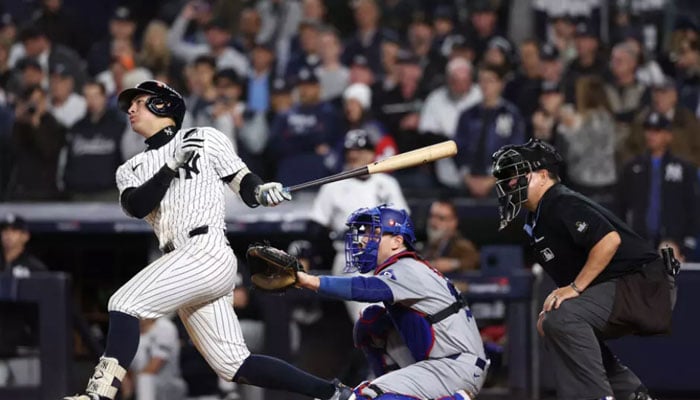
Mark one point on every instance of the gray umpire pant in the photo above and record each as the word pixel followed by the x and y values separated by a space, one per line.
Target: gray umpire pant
pixel 584 367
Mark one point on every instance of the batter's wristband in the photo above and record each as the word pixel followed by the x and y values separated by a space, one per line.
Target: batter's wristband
pixel 576 289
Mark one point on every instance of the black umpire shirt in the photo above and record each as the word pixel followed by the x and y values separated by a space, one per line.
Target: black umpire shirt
pixel 566 226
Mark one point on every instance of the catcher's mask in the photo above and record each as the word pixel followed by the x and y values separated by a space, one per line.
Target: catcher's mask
pixel 511 166
pixel 163 101
pixel 365 229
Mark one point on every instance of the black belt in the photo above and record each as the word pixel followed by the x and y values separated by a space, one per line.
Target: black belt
pixel 200 230
pixel 480 362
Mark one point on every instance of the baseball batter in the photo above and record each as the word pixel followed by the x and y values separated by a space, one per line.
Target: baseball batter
pixel 177 185
pixel 335 201
pixel 423 343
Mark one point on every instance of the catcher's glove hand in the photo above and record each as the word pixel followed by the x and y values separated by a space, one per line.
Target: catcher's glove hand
pixel 271 269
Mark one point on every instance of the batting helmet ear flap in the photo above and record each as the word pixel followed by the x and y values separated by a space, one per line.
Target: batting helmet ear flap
pixel 156 105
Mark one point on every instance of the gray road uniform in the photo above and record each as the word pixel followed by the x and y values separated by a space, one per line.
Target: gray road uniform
pixel 434 359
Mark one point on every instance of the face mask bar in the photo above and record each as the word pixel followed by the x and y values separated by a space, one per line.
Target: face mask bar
pixel 361 246
pixel 511 170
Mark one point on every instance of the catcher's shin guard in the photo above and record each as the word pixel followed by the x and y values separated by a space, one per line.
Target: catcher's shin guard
pixel 100 384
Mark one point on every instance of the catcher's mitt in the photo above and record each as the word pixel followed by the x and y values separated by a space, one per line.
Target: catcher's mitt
pixel 271 269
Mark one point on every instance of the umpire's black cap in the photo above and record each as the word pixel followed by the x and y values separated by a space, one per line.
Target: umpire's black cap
pixel 13 221
pixel 164 100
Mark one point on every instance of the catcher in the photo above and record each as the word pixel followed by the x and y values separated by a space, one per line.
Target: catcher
pixel 423 343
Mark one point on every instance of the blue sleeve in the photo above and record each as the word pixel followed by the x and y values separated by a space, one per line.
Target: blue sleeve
pixel 359 288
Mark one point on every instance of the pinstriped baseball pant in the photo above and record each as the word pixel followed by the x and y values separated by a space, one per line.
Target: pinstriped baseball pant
pixel 197 281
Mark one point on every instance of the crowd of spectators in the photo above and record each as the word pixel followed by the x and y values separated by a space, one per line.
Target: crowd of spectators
pixel 607 82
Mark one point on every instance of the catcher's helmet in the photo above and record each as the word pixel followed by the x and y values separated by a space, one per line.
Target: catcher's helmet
pixel 365 229
pixel 511 164
pixel 164 101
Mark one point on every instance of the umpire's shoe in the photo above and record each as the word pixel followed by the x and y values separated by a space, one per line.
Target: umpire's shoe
pixel 342 392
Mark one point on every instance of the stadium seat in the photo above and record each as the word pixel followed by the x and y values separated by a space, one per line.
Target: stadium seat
pixel 501 259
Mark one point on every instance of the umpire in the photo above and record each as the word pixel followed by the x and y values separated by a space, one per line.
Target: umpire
pixel 610 281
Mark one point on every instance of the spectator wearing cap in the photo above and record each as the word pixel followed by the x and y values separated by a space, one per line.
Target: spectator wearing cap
pixel 122 26
pixel 302 139
pixel 38 45
pixel 28 72
pixel 546 117
pixel 357 109
pixel 217 44
pixel 93 149
pixel 499 52
pixel 16 259
pixel 37 139
pixel 443 106
pixel 483 25
pixel 658 194
pixel 281 100
pixel 366 40
pixel 336 200
pixel 61 25
pixel 304 52
pixel 589 58
pixel 526 82
pixel 626 95
pixel 483 129
pixel 8 28
pixel 333 75
pixel 587 140
pixel 551 65
pixel 684 124
pixel 360 71
pixel 64 104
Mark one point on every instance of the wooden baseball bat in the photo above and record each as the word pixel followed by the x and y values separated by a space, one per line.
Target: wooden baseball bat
pixel 400 161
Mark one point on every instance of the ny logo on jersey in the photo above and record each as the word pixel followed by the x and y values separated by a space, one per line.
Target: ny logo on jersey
pixel 190 166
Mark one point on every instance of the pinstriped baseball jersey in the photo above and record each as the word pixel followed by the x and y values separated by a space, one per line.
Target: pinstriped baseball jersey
pixel 196 197
pixel 197 278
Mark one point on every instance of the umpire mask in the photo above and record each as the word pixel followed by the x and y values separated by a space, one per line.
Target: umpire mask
pixel 511 166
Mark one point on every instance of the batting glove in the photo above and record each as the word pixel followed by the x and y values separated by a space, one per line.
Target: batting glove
pixel 271 194
pixel 188 147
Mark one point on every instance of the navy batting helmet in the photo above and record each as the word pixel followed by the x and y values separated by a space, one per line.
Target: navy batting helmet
pixel 164 101
pixel 365 229
pixel 511 164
